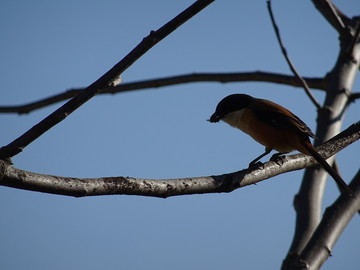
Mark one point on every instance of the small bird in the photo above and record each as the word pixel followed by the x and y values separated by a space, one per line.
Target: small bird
pixel 273 126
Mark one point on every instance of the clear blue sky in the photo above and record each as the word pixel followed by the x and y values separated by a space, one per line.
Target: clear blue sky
pixel 50 46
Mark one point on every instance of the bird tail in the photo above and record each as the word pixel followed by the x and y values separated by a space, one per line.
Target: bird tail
pixel 344 187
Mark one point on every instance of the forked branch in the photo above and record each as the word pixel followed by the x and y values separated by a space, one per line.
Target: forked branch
pixel 333 223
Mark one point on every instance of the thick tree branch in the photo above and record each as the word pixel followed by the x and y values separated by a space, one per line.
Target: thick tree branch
pixel 339 81
pixel 13 177
pixel 333 223
pixel 355 41
pixel 260 76
pixel 288 60
pixel 107 79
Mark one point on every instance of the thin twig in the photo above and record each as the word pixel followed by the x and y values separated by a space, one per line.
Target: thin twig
pixel 288 60
pixel 317 83
pixel 104 81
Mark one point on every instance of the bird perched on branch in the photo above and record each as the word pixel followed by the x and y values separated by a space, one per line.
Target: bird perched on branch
pixel 273 126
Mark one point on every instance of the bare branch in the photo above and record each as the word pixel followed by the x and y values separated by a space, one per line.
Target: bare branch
pixel 332 14
pixel 107 79
pixel 339 81
pixel 12 177
pixel 259 76
pixel 32 106
pixel 351 51
pixel 335 219
pixel 354 97
pixel 288 60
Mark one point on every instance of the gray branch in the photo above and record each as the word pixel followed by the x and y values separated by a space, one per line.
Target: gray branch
pixel 79 187
pixel 308 202
pixel 333 223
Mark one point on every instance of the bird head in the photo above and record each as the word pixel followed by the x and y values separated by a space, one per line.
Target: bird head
pixel 230 104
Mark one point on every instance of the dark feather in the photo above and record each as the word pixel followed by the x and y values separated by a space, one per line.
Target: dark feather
pixel 281 121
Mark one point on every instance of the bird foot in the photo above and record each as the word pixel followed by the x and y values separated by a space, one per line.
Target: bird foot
pixel 278 158
pixel 256 165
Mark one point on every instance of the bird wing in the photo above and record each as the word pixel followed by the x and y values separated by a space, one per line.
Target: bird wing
pixel 277 118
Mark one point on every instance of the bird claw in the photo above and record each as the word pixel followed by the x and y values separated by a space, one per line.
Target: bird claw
pixel 256 165
pixel 278 158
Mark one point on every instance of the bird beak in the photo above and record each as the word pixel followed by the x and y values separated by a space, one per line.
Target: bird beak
pixel 214 118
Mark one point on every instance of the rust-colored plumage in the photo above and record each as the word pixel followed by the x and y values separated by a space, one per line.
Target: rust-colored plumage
pixel 273 126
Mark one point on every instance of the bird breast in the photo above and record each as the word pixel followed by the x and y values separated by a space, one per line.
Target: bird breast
pixel 270 137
